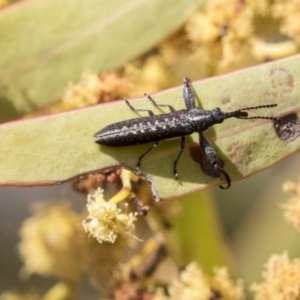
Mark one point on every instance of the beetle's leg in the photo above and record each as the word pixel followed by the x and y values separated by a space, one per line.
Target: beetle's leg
pixel 225 174
pixel 148 178
pixel 212 158
pixel 142 156
pixel 172 109
pixel 182 146
pixel 150 112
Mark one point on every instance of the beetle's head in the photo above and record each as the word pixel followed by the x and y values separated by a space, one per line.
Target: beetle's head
pixel 217 115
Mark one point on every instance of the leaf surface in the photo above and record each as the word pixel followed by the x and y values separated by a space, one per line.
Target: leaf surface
pixel 46 44
pixel 55 148
pixel 199 233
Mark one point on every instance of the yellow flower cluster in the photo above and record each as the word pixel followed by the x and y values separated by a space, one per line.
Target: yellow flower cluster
pixel 46 240
pixel 289 12
pixel 292 207
pixel 220 36
pixel 232 34
pixel 93 89
pixel 281 279
pixel 105 220
pixel 194 284
pixel 53 243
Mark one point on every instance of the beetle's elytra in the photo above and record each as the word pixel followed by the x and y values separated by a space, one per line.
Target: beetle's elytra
pixel 176 123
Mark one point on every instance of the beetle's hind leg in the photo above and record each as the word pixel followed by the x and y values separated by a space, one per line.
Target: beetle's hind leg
pixel 145 153
pixel 182 146
pixel 211 157
pixel 150 112
pixel 172 109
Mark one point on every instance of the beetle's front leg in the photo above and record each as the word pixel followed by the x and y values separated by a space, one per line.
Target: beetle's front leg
pixel 212 158
pixel 182 146
pixel 141 157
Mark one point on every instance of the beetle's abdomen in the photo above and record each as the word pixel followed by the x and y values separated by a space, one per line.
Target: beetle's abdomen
pixel 145 130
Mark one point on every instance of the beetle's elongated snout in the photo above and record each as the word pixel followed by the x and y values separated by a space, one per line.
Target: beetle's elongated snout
pixel 242 114
pixel 236 114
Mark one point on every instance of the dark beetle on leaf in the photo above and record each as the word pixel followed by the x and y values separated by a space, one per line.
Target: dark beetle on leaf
pixel 176 123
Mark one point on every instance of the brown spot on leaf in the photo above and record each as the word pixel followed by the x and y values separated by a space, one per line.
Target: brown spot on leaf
pixel 282 81
pixel 226 100
pixel 287 127
pixel 240 153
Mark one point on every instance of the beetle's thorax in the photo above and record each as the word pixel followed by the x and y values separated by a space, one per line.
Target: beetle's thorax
pixel 203 119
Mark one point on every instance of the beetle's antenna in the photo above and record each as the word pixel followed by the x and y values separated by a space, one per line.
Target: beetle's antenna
pixel 242 114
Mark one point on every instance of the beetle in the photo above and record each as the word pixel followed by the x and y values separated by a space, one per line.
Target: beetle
pixel 175 124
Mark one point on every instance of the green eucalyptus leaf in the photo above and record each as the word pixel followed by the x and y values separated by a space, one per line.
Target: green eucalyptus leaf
pixel 46 44
pixel 55 148
pixel 198 231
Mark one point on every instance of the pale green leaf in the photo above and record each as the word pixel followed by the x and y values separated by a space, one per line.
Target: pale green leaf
pixel 58 147
pixel 198 231
pixel 46 44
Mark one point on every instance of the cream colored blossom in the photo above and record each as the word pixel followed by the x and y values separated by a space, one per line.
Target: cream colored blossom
pixel 221 35
pixel 292 207
pixel 52 242
pixel 93 88
pixel 288 11
pixel 105 220
pixel 225 286
pixel 281 279
pixel 194 284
